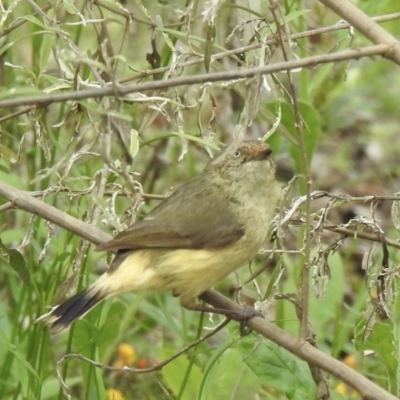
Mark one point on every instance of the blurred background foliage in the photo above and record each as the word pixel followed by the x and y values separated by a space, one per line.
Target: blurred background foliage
pixel 108 161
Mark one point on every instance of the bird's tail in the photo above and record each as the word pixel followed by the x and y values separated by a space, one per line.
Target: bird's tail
pixel 61 316
pixel 128 272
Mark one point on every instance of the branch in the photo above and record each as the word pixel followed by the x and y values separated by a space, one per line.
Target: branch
pixel 37 207
pixel 363 235
pixel 304 350
pixel 297 346
pixel 45 100
pixel 366 25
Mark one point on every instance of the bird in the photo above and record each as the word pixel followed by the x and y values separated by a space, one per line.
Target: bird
pixel 209 227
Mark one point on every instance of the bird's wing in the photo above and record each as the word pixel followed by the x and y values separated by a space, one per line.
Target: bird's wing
pixel 146 235
pixel 193 217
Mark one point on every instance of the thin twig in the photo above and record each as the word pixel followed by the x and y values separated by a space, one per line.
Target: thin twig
pixel 15 114
pixel 362 235
pixel 45 100
pixel 348 198
pixel 125 369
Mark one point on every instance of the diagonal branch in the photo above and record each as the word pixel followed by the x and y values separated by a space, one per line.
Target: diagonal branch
pixel 37 207
pixel 304 350
pixel 366 25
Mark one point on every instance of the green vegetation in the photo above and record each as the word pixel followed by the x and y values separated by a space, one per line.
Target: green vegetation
pixel 103 159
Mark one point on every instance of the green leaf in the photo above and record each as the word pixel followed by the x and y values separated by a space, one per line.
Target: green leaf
pixel 323 311
pixel 70 7
pixel 174 374
pixel 45 50
pixel 275 273
pixel 51 386
pixel 21 361
pixel 17 262
pixel 220 382
pixel 20 92
pixel 34 20
pixel 295 14
pixel 93 105
pixel 195 139
pixel 381 341
pixel 278 368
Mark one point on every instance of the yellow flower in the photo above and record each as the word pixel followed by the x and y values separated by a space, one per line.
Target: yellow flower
pixel 114 394
pixel 341 388
pixel 350 361
pixel 126 353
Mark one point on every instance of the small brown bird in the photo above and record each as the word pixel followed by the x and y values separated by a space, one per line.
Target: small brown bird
pixel 206 229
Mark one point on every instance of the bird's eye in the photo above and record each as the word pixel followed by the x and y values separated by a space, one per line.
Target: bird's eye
pixel 237 154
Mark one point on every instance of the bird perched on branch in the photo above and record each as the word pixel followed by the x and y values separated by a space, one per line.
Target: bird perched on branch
pixel 205 230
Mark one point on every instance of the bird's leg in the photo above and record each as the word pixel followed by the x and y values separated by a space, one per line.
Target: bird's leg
pixel 241 316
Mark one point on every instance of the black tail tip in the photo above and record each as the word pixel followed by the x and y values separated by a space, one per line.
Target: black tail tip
pixel 61 316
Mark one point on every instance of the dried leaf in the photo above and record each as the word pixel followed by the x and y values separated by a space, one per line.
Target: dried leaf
pixel 396 214
pixel 210 39
pixel 134 145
